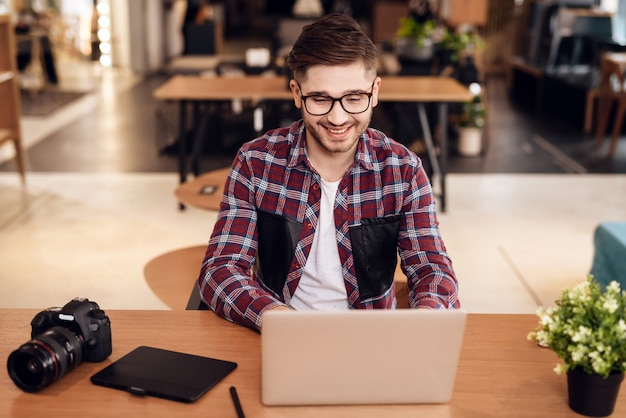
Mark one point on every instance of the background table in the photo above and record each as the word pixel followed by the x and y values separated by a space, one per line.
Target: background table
pixel 190 192
pixel 420 90
pixel 500 373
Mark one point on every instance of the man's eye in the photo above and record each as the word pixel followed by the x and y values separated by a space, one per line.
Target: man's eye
pixel 355 98
pixel 320 99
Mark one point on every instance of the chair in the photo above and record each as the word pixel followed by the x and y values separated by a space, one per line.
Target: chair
pixel 200 38
pixel 287 32
pixel 195 301
pixel 10 101
pixel 592 95
pixel 170 275
pixel 577 24
pixel 611 89
pixel 563 22
pixel 14 135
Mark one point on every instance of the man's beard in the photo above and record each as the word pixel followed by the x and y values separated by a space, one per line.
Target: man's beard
pixel 314 129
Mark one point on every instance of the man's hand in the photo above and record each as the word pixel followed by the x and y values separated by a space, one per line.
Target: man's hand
pixel 277 308
pixel 281 308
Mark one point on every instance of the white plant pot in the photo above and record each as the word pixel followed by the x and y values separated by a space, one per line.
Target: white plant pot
pixel 406 48
pixel 470 141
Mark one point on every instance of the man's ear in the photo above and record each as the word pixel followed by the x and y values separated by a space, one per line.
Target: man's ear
pixel 375 90
pixel 296 93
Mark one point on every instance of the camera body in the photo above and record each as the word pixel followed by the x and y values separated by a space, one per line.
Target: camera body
pixel 86 320
pixel 61 339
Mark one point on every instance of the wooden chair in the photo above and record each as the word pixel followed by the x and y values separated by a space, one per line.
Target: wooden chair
pixel 11 105
pixel 577 24
pixel 611 90
pixel 14 136
pixel 592 95
pixel 170 275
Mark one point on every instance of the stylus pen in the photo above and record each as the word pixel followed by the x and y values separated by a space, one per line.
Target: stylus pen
pixel 233 394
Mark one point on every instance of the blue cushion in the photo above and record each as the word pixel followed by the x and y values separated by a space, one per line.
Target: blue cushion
pixel 609 260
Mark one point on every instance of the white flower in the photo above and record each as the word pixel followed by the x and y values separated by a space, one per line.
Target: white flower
pixel 600 366
pixel 578 354
pixel 579 292
pixel 613 287
pixel 559 369
pixel 582 334
pixel 610 305
pixel 587 328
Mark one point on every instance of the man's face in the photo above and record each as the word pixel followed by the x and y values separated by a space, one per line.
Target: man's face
pixel 337 131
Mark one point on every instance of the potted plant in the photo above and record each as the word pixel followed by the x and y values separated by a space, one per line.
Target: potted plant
pixel 415 39
pixel 455 43
pixel 418 33
pixel 471 123
pixel 587 330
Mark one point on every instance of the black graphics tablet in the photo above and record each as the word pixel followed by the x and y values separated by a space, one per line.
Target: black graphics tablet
pixel 165 374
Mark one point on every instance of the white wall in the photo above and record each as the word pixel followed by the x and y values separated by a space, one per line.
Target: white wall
pixel 174 17
pixel 620 21
pixel 145 19
pixel 120 33
pixel 154 33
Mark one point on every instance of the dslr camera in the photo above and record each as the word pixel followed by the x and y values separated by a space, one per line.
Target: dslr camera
pixel 61 339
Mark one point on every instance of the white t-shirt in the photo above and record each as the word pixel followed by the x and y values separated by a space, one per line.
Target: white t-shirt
pixel 321 286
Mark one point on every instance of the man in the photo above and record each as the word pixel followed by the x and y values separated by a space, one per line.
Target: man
pixel 315 214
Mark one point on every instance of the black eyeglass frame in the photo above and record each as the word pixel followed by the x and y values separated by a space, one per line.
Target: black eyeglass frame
pixel 337 99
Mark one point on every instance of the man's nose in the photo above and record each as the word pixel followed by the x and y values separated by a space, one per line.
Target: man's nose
pixel 337 115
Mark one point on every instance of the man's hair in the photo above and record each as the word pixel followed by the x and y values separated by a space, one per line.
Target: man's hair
pixel 335 39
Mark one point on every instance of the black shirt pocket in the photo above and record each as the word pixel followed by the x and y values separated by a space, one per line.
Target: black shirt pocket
pixel 374 249
pixel 277 240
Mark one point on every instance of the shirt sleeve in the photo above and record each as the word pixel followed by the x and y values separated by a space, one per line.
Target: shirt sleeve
pixel 225 281
pixel 430 276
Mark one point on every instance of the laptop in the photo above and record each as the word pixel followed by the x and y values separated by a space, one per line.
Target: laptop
pixel 402 356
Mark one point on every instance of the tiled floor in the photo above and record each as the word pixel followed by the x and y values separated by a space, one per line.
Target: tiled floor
pixel 99 205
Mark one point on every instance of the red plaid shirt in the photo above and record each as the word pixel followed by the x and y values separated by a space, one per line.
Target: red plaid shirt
pixel 272 174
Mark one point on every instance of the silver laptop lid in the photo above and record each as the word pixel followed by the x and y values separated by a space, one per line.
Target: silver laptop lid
pixel 360 356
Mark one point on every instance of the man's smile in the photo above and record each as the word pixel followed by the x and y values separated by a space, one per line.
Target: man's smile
pixel 337 131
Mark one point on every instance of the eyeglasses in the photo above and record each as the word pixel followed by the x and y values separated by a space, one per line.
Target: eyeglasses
pixel 353 103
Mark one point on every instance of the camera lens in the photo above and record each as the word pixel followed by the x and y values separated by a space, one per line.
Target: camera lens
pixel 45 359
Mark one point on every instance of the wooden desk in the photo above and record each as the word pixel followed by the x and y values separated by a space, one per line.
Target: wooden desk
pixel 440 90
pixel 500 372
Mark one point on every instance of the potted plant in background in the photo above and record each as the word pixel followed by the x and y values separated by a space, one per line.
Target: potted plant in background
pixel 415 39
pixel 471 123
pixel 459 42
pixel 587 330
pixel 418 33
